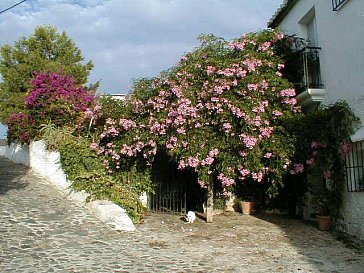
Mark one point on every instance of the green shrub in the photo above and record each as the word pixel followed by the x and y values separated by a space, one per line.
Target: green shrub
pixel 86 171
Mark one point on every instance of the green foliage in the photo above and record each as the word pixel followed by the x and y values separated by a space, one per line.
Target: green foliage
pixel 84 168
pixel 221 110
pixel 322 141
pixel 55 136
pixel 44 50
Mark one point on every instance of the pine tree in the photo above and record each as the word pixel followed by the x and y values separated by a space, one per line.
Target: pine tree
pixel 45 50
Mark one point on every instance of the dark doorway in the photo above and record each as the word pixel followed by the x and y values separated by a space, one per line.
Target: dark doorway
pixel 175 191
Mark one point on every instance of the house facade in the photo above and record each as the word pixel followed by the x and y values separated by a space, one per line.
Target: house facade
pixel 333 71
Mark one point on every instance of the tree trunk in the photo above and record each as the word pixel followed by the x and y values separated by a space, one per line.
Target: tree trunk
pixel 210 201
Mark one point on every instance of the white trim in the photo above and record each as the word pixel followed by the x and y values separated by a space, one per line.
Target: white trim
pixel 310 96
pixel 358 135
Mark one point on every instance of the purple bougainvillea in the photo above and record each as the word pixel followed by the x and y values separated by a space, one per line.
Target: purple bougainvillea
pixel 57 98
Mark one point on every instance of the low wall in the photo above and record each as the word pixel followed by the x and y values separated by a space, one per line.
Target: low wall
pixel 2 150
pixel 47 164
pixel 353 212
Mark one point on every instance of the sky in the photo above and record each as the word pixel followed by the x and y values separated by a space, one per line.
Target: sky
pixel 131 39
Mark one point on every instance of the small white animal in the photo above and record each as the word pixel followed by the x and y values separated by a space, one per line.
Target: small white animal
pixel 191 216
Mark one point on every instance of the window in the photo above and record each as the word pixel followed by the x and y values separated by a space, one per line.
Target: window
pixel 337 4
pixel 312 32
pixel 354 168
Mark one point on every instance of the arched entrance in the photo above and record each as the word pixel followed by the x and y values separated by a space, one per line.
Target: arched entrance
pixel 175 191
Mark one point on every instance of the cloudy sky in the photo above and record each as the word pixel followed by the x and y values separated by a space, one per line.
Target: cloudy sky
pixel 129 39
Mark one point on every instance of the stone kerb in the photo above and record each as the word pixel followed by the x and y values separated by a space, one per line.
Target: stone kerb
pixel 47 164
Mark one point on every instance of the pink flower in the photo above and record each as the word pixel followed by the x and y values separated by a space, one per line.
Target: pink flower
pixel 299 168
pixel 237 45
pixel 210 69
pixel 227 194
pixel 225 181
pixel 252 86
pixel 327 174
pixel 207 161
pixel 310 162
pixel 181 131
pixel 202 184
pixel 213 152
pixel 277 113
pixel 266 132
pixel 280 66
pixel 249 141
pixel 94 145
pixel 288 92
pixel 346 148
pixel 193 161
pixel 290 101
pixel 314 144
pixel 244 172
pixel 182 165
pixel 258 176
pixel 127 124
pixel 268 155
pixel 265 46
pixel 227 127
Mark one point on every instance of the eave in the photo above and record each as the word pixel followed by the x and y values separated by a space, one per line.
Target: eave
pixel 281 12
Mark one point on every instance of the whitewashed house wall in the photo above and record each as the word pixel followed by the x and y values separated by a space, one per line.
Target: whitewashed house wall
pixel 340 34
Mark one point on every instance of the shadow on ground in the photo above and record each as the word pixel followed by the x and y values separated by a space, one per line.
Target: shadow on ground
pixel 10 176
pixel 273 243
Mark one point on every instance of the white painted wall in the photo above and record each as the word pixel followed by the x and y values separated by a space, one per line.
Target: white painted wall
pixel 353 211
pixel 340 34
pixel 2 150
pixel 47 164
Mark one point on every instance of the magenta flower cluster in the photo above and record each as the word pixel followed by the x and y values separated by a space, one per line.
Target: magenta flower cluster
pixel 57 98
pixel 20 127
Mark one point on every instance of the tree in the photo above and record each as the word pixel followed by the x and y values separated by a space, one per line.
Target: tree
pixel 220 111
pixel 44 50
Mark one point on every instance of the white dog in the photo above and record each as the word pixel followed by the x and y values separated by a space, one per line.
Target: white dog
pixel 191 216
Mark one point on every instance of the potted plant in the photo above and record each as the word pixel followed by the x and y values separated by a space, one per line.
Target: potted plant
pixel 248 194
pixel 323 200
pixel 247 207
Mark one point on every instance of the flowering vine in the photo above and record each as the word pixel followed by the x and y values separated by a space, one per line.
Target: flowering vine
pixel 219 111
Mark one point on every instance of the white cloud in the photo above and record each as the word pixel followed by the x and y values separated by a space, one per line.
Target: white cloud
pixel 135 38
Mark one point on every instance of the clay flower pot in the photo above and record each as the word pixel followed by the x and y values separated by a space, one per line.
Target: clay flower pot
pixel 247 207
pixel 324 222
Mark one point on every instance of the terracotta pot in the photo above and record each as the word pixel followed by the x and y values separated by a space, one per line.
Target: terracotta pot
pixel 247 207
pixel 324 222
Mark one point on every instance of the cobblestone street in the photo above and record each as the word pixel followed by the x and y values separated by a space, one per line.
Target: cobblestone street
pixel 41 231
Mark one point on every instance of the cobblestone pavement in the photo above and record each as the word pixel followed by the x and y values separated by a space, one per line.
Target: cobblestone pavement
pixel 40 231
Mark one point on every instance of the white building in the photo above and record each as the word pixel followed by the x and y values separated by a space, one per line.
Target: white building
pixel 118 96
pixel 335 30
